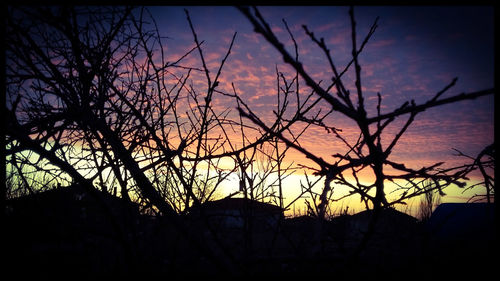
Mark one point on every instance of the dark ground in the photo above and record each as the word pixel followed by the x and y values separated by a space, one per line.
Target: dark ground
pixel 67 235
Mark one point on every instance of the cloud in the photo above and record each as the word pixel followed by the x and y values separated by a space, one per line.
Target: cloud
pixel 433 135
pixel 400 68
pixel 326 27
pixel 277 29
pixel 252 38
pixel 212 56
pixel 411 37
pixel 381 43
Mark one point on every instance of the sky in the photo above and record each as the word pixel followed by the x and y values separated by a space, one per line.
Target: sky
pixel 414 53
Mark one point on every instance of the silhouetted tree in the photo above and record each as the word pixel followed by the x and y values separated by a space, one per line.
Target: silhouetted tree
pixel 91 99
pixel 89 90
pixel 485 163
pixel 368 151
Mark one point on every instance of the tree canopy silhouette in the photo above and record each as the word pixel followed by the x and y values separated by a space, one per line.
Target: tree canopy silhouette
pixel 91 99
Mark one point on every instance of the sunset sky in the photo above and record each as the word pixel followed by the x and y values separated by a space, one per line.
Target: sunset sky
pixel 414 53
pixel 122 131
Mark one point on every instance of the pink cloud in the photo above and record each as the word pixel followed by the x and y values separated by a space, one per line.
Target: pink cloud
pixel 381 43
pixel 277 29
pixel 325 27
pixel 253 38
